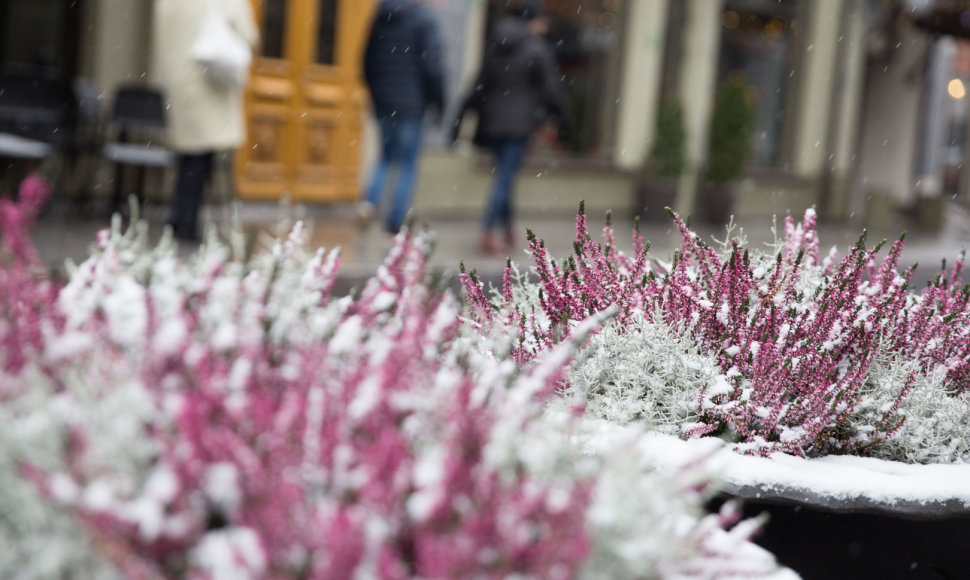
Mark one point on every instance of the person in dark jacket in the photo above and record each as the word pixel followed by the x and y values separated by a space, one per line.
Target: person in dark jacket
pixel 404 73
pixel 517 90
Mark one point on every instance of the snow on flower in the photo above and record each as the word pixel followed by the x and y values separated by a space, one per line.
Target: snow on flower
pixel 802 338
pixel 230 554
pixel 224 416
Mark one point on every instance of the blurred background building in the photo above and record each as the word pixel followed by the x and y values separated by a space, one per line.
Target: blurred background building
pixel 860 106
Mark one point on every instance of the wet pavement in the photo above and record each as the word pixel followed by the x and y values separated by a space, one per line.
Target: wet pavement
pixel 69 236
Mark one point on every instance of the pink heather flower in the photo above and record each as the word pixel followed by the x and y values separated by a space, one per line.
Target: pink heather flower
pixel 17 217
pixel 794 337
pixel 291 435
pixel 25 290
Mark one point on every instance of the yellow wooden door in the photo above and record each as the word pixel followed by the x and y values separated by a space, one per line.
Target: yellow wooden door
pixel 306 101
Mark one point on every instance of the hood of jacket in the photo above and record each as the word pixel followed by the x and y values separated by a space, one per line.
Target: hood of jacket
pixel 509 33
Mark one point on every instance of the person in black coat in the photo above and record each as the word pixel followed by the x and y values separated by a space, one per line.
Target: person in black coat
pixel 404 72
pixel 517 90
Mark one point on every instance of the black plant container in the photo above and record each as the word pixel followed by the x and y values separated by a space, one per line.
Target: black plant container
pixel 652 196
pixel 859 540
pixel 715 203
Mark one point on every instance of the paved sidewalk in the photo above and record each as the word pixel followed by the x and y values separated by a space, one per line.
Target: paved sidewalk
pixel 62 237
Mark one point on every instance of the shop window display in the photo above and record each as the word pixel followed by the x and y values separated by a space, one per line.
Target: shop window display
pixel 757 45
pixel 40 32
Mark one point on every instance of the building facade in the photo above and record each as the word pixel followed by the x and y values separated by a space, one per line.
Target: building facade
pixel 841 103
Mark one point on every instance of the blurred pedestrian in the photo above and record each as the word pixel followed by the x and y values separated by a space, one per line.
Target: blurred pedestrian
pixel 405 75
pixel 517 90
pixel 205 113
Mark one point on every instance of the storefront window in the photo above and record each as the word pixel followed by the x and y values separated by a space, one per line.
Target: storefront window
pixel 757 45
pixel 955 104
pixel 40 32
pixel 586 37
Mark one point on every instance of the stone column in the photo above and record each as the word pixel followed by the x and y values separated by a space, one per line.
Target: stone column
pixel 702 41
pixel 818 80
pixel 88 40
pixel 120 43
pixel 640 81
pixel 846 119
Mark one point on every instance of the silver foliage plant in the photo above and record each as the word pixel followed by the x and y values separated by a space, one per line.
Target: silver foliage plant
pixel 644 372
pixel 937 425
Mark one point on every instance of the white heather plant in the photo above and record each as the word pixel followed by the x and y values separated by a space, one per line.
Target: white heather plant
pixel 223 416
pixel 37 538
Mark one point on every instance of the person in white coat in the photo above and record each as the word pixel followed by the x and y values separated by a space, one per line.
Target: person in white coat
pixel 204 117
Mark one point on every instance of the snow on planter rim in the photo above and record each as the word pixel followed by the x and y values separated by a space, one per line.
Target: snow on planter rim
pixel 838 482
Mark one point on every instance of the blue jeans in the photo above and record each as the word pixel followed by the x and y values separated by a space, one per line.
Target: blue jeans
pixel 400 146
pixel 508 158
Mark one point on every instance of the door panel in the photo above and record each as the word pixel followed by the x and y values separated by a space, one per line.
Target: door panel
pixel 305 102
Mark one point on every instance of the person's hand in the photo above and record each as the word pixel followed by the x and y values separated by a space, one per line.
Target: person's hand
pixel 563 131
pixel 454 133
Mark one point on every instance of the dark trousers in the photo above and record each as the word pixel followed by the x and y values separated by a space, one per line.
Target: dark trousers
pixel 193 172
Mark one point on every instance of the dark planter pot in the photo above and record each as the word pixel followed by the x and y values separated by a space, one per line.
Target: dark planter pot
pixel 929 213
pixel 828 540
pixel 715 203
pixel 652 195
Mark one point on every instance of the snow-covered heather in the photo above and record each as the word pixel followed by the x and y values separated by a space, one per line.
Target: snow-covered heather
pixel 225 416
pixel 31 410
pixel 774 351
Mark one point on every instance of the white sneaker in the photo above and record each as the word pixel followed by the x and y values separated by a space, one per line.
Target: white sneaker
pixel 366 211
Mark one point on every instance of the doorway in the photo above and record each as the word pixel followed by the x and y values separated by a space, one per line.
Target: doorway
pixel 305 102
pixel 41 32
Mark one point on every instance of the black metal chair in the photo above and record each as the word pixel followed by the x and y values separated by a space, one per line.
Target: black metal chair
pixel 38 115
pixel 138 122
